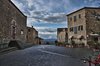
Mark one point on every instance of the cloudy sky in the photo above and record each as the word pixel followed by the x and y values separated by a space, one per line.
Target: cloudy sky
pixel 48 15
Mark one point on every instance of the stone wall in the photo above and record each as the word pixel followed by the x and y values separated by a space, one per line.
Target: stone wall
pixel 93 23
pixel 80 21
pixel 62 35
pixel 32 34
pixel 90 20
pixel 93 20
pixel 11 18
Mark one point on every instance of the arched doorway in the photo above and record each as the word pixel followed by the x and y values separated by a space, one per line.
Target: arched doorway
pixel 81 38
pixel 72 38
pixel 81 41
pixel 14 43
pixel 73 41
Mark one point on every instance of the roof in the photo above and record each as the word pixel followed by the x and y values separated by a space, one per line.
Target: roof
pixel 39 38
pixel 16 7
pixel 82 9
pixel 60 29
pixel 32 28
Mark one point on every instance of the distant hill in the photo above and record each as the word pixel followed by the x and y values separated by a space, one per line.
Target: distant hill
pixel 49 41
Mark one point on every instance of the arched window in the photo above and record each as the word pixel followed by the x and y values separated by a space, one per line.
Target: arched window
pixel 72 37
pixel 22 32
pixel 13 29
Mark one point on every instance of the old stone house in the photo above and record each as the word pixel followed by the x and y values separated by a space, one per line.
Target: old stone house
pixel 32 33
pixel 32 36
pixel 62 35
pixel 39 41
pixel 12 22
pixel 84 25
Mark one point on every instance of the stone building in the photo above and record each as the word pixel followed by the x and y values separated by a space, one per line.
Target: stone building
pixel 39 41
pixel 32 33
pixel 84 25
pixel 12 22
pixel 62 35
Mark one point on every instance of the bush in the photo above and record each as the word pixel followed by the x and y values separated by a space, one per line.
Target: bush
pixel 62 43
pixel 97 45
pixel 81 45
pixel 91 43
pixel 94 44
pixel 74 44
pixel 59 43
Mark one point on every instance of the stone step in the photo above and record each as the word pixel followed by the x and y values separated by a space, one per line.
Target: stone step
pixel 7 50
pixel 19 44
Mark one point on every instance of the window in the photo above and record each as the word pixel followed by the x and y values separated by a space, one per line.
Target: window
pixel 22 32
pixel 71 29
pixel 13 28
pixel 81 27
pixel 29 30
pixel 75 30
pixel 70 18
pixel 79 15
pixel 74 18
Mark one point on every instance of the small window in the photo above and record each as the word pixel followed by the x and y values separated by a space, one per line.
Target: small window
pixel 79 15
pixel 29 30
pixel 70 18
pixel 22 32
pixel 71 29
pixel 81 27
pixel 75 30
pixel 74 18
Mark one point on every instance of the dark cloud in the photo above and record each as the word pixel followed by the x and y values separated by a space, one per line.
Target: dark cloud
pixel 46 36
pixel 48 17
pixel 49 30
pixel 32 8
pixel 55 18
pixel 38 9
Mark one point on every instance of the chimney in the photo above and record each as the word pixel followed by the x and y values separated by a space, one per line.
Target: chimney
pixel 32 26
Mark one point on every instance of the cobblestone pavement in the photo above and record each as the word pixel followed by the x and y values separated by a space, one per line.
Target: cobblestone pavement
pixel 45 55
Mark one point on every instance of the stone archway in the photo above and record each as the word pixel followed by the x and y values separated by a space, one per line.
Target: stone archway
pixel 81 41
pixel 81 38
pixel 14 43
pixel 72 38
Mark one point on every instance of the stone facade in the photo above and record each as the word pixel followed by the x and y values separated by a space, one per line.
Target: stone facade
pixel 83 23
pixel 12 22
pixel 31 35
pixel 62 35
pixel 39 41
